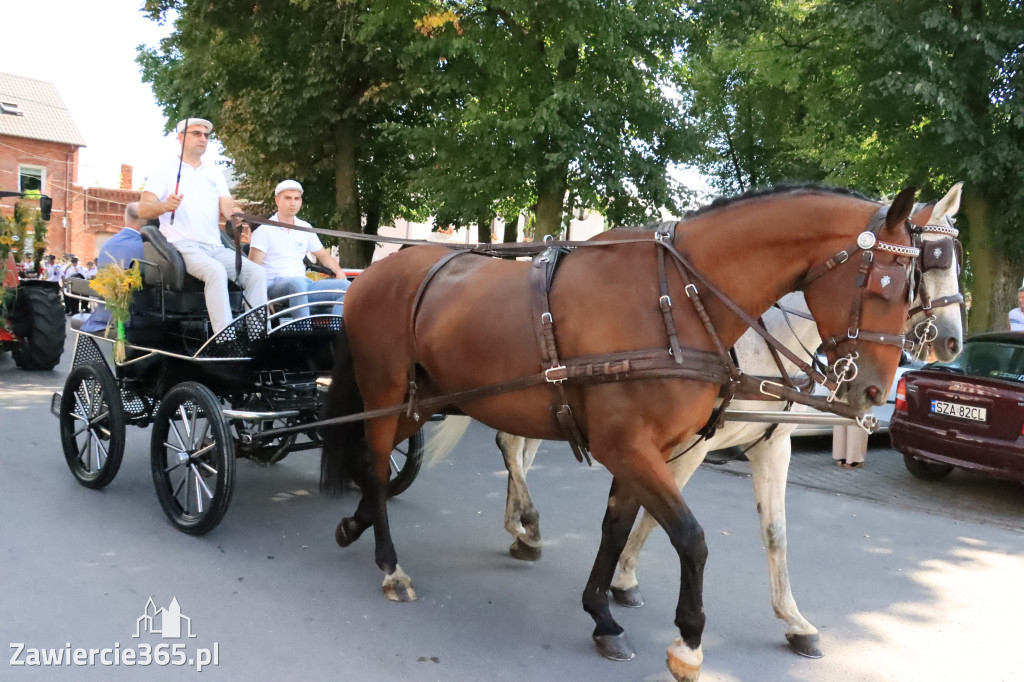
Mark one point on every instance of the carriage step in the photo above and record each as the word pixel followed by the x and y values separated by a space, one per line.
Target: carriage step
pixel 55 404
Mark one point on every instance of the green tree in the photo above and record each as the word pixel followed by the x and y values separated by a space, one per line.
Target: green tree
pixel 874 94
pixel 537 102
pixel 296 88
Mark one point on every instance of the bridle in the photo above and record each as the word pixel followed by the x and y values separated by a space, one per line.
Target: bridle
pixel 874 279
pixel 936 254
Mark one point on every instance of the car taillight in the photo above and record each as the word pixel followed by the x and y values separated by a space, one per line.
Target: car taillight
pixel 901 396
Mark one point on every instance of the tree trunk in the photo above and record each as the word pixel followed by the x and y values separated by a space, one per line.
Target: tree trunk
pixel 996 276
pixel 346 194
pixel 372 227
pixel 483 229
pixel 550 203
pixel 511 228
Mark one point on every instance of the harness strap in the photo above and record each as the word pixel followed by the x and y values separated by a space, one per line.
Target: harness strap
pixel 416 301
pixel 750 321
pixel 541 275
pixel 952 299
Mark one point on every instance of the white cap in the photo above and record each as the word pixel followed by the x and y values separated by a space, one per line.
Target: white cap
pixel 286 185
pixel 194 122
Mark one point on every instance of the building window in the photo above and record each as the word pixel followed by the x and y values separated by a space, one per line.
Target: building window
pixel 11 108
pixel 31 179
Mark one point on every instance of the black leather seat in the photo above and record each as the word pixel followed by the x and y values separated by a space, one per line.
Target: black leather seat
pixel 163 268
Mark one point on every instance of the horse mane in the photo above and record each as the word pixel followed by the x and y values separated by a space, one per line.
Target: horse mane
pixel 759 193
pixel 753 194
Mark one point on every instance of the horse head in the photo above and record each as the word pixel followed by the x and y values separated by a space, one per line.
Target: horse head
pixel 860 299
pixel 934 319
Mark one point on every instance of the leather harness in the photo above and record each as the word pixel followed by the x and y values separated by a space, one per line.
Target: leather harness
pixel 675 362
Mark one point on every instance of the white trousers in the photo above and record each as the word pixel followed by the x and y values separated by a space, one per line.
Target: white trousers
pixel 849 443
pixel 215 265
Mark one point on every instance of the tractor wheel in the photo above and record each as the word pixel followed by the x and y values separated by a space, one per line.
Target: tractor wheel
pixel 38 322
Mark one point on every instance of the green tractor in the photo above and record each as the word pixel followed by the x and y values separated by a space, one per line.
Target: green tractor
pixel 32 324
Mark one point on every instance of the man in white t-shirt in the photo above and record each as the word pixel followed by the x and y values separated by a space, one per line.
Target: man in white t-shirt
pixel 190 215
pixel 280 251
pixel 1016 315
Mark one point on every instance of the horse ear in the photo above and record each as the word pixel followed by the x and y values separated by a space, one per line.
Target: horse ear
pixel 948 205
pixel 900 209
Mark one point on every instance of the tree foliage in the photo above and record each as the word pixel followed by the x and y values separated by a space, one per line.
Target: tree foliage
pixel 873 94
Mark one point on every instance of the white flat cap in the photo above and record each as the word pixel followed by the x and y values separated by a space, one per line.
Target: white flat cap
pixel 286 185
pixel 194 122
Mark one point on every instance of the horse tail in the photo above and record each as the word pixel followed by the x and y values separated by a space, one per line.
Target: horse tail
pixel 345 456
pixel 444 438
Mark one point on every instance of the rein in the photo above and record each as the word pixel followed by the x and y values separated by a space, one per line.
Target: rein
pixel 678 362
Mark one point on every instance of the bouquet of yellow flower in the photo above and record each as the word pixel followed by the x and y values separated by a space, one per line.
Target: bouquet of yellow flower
pixel 116 285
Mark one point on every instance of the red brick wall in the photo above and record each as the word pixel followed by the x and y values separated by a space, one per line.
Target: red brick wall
pixel 61 164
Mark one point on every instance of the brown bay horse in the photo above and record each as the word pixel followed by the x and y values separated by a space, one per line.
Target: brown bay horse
pixel 473 326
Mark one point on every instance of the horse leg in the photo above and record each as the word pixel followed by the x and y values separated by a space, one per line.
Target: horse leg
pixel 372 510
pixel 769 462
pixel 625 589
pixel 652 485
pixel 521 518
pixel 619 516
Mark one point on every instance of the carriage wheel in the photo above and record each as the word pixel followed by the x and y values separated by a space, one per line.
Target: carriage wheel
pixel 192 458
pixel 406 459
pixel 92 425
pixel 925 470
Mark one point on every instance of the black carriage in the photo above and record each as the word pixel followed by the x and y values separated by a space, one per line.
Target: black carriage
pixel 209 398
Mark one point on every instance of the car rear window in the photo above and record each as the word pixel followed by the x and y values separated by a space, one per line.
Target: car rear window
pixel 990 359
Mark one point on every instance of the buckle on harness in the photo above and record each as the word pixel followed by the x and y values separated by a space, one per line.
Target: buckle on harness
pixel 770 383
pixel 556 375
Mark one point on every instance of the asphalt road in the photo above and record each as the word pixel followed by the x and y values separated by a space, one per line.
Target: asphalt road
pixel 902 586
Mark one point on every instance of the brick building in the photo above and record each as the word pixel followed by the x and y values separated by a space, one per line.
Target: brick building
pixel 39 145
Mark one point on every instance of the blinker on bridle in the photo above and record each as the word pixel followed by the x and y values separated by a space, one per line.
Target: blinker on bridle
pixel 845 367
pixel 936 255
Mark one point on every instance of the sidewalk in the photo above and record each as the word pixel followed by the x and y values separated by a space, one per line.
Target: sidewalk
pixel 963 495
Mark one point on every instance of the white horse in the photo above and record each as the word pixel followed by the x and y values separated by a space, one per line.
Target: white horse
pixel 769 457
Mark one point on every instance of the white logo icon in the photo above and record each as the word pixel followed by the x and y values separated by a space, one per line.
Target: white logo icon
pixel 937 252
pixel 885 280
pixel 164 622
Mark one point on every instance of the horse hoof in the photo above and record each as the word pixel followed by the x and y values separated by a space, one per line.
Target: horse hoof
pixel 615 647
pixel 524 552
pixel 683 662
pixel 398 586
pixel 805 645
pixel 629 597
pixel 342 534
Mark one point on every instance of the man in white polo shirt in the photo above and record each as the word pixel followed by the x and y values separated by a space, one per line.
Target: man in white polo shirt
pixel 280 251
pixel 190 215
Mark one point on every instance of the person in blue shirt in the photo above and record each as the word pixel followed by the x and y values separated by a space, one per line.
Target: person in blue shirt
pixel 122 248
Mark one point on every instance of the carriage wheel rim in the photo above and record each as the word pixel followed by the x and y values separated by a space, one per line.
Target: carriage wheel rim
pixel 188 466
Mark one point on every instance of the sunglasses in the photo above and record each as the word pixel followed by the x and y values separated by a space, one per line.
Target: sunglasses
pixel 199 133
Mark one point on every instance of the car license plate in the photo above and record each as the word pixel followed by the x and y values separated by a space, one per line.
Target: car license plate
pixel 977 414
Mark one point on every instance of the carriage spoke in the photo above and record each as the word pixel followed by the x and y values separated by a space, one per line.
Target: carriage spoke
pixel 181 441
pixel 209 469
pixel 194 473
pixel 181 483
pixel 193 415
pixel 202 436
pixel 98 447
pixel 202 451
pixel 82 450
pixel 183 413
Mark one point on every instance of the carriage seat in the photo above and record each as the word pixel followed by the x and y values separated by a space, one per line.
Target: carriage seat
pixel 165 268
